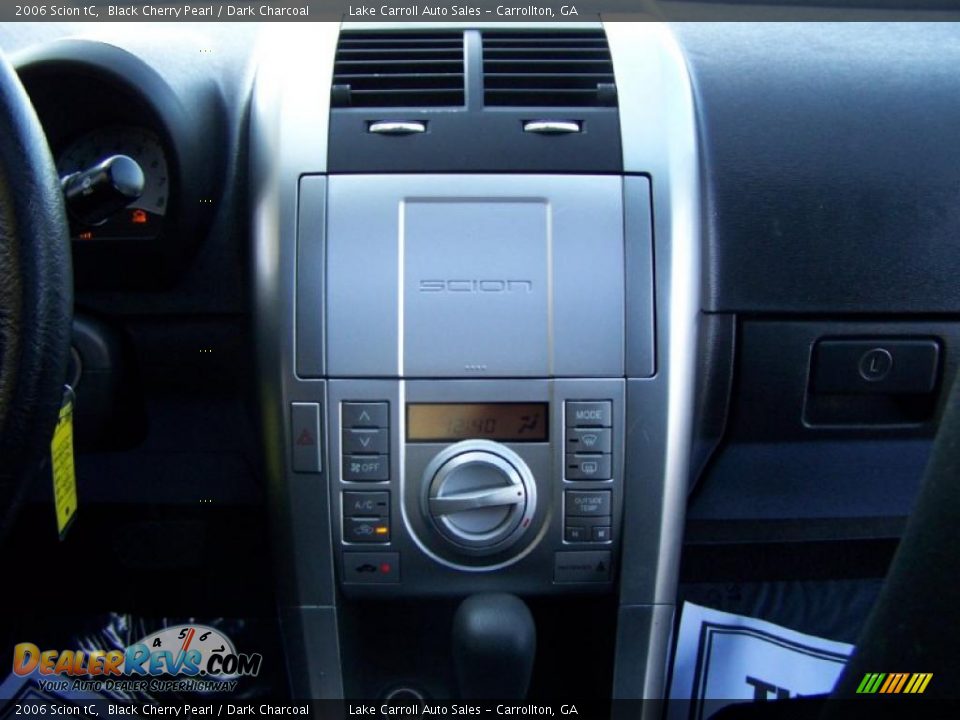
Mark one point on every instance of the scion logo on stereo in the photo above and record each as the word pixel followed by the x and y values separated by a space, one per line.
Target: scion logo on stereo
pixel 476 286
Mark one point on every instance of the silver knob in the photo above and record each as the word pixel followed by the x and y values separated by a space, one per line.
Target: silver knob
pixel 479 495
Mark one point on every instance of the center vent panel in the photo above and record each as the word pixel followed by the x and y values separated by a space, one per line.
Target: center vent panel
pixel 454 100
pixel 547 69
pixel 399 69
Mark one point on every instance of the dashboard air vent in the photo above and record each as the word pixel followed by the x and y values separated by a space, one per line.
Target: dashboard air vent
pixel 398 69
pixel 547 68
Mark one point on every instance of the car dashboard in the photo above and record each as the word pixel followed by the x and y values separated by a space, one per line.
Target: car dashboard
pixel 584 312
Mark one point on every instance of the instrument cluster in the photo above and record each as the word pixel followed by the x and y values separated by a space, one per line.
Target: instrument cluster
pixel 138 156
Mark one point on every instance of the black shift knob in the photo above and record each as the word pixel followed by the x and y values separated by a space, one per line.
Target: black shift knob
pixel 494 642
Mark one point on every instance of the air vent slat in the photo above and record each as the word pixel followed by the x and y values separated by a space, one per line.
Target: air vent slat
pixel 398 69
pixel 599 53
pixel 550 68
pixel 400 92
pixel 406 83
pixel 379 54
pixel 544 80
pixel 546 37
pixel 392 67
pixel 399 38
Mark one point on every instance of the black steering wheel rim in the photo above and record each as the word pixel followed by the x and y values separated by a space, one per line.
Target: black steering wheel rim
pixel 914 626
pixel 36 294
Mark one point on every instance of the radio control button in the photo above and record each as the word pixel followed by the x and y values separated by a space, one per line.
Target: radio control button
pixel 358 468
pixel 589 440
pixel 587 503
pixel 588 467
pixel 366 504
pixel 589 414
pixel 364 441
pixel 369 415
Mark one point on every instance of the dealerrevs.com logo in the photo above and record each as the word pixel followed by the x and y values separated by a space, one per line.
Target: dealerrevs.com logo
pixel 202 657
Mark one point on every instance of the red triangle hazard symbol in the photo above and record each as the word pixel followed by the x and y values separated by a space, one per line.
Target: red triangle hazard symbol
pixel 306 438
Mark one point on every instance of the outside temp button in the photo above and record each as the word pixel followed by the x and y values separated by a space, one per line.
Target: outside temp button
pixel 585 503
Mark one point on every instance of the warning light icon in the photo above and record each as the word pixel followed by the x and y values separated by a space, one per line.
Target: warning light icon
pixel 138 217
pixel 306 438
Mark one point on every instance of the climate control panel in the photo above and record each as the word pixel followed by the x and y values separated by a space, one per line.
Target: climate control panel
pixel 467 485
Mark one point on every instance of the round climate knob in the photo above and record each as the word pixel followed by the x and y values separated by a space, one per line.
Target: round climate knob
pixel 480 496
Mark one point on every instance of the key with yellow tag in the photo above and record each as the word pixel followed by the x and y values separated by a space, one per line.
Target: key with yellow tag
pixel 61 462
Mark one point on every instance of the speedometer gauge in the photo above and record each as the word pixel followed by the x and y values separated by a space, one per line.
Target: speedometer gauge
pixel 143 218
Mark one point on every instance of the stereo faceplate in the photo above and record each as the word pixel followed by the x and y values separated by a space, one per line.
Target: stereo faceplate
pixel 485 276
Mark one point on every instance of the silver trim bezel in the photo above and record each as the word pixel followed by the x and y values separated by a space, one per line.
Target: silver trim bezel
pixel 659 139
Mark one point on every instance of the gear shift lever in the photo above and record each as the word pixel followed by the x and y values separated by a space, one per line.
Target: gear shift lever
pixel 494 642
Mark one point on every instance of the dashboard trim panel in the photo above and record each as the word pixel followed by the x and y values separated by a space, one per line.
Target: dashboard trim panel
pixel 660 139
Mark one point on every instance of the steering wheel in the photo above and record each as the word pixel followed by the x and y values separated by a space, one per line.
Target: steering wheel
pixel 914 626
pixel 36 294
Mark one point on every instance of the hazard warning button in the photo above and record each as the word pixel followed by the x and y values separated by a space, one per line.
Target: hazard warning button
pixel 305 433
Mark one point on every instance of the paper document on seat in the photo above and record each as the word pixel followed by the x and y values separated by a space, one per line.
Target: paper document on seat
pixel 722 658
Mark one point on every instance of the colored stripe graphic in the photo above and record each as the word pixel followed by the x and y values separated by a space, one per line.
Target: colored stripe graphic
pixel 894 683
pixel 918 683
pixel 903 679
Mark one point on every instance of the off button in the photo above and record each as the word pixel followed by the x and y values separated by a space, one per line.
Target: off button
pixel 366 467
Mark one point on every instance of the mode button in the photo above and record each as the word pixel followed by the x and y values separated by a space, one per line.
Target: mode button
pixel 589 414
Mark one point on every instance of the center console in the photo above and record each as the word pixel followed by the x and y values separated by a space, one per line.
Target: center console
pixel 476 323
pixel 495 456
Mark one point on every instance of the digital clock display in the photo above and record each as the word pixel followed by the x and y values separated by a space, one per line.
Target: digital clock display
pixel 512 422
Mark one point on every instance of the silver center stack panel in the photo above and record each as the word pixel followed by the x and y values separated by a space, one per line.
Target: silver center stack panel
pixel 474 276
pixel 476 381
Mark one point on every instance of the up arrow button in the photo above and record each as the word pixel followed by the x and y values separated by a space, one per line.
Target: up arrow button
pixel 365 415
